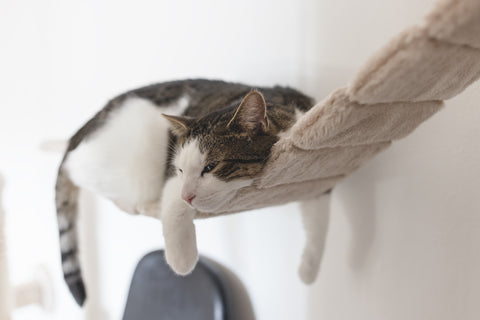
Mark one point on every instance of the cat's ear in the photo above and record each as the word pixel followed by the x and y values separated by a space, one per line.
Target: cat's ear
pixel 251 114
pixel 179 125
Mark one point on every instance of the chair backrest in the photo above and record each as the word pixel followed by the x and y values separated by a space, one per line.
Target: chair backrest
pixel 210 292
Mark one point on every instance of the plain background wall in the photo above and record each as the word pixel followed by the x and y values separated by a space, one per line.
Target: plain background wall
pixel 404 236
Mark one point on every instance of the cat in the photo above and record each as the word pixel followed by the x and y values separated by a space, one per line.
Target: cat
pixel 170 149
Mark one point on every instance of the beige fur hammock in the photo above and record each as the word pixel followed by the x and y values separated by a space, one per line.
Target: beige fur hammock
pixel 400 87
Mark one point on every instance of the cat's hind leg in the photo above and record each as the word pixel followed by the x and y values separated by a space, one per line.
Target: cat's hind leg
pixel 315 217
pixel 178 229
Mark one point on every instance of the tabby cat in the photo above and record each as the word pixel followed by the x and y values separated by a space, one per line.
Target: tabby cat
pixel 168 150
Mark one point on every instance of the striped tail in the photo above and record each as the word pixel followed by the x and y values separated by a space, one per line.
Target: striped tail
pixel 66 200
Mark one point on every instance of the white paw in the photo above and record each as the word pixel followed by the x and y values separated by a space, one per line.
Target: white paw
pixel 180 245
pixel 182 263
pixel 307 273
pixel 309 267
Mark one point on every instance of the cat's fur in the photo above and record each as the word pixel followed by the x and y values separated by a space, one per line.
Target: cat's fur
pixel 215 140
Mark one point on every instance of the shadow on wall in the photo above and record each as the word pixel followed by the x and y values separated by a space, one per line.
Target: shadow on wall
pixel 404 237
pixel 357 199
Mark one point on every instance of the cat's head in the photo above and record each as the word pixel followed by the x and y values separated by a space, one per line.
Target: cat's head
pixel 221 152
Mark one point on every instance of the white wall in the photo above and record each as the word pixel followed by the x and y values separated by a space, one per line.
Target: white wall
pixel 405 229
pixel 404 235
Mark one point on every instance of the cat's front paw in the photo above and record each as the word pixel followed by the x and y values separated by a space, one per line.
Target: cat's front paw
pixel 182 262
pixel 309 267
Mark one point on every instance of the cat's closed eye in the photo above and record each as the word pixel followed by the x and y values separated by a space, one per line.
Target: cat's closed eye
pixel 209 168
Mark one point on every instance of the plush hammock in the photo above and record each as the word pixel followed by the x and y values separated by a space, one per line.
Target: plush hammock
pixel 401 86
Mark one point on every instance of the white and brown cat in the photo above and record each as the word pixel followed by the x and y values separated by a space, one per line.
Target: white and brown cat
pixel 171 149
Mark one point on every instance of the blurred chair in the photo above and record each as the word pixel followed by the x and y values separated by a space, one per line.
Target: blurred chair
pixel 210 292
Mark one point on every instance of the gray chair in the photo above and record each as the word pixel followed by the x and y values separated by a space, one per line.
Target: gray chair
pixel 210 292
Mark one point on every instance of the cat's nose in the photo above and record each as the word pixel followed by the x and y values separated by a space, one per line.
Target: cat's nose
pixel 188 197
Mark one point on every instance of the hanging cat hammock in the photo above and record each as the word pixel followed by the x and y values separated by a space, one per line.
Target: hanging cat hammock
pixel 401 86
